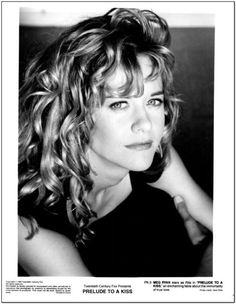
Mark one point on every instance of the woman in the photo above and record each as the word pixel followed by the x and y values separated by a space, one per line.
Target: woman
pixel 96 167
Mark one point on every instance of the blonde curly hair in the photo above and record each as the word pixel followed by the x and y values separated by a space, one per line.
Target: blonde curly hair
pixel 62 86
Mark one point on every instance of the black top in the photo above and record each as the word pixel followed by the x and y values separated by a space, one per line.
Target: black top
pixel 143 236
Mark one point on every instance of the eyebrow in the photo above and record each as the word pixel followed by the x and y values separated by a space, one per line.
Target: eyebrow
pixel 153 94
pixel 157 93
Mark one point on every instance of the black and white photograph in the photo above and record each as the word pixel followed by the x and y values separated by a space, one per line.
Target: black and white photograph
pixel 121 187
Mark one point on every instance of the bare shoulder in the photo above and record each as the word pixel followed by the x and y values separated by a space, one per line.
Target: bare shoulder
pixel 176 180
pixel 174 174
pixel 48 253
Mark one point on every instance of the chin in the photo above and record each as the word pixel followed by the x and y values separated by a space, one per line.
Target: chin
pixel 140 169
pixel 141 165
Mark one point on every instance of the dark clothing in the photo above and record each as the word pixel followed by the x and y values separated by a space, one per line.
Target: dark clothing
pixel 143 236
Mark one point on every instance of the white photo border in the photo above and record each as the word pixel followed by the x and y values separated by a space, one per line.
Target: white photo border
pixel 224 164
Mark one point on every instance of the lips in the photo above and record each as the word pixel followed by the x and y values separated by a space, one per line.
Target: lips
pixel 140 146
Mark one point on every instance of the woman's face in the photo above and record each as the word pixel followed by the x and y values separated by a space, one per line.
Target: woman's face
pixel 127 131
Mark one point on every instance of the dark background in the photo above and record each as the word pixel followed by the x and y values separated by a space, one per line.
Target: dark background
pixel 194 82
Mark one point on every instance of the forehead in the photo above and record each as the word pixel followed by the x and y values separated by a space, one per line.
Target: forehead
pixel 119 78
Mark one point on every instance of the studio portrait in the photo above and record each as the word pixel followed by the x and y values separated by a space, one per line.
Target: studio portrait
pixel 115 146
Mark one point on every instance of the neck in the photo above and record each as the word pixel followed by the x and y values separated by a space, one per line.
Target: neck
pixel 105 180
pixel 106 177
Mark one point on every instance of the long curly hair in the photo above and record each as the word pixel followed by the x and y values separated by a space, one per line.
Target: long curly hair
pixel 62 86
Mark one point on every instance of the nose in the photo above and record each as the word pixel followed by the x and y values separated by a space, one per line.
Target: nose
pixel 141 122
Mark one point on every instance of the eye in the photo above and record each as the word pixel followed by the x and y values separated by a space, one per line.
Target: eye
pixel 119 105
pixel 155 102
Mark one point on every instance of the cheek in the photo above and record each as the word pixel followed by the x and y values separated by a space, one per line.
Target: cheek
pixel 102 133
pixel 159 122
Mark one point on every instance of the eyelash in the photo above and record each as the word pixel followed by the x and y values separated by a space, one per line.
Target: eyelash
pixel 117 105
pixel 158 102
pixel 122 105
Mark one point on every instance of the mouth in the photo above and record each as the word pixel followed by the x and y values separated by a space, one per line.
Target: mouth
pixel 140 146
